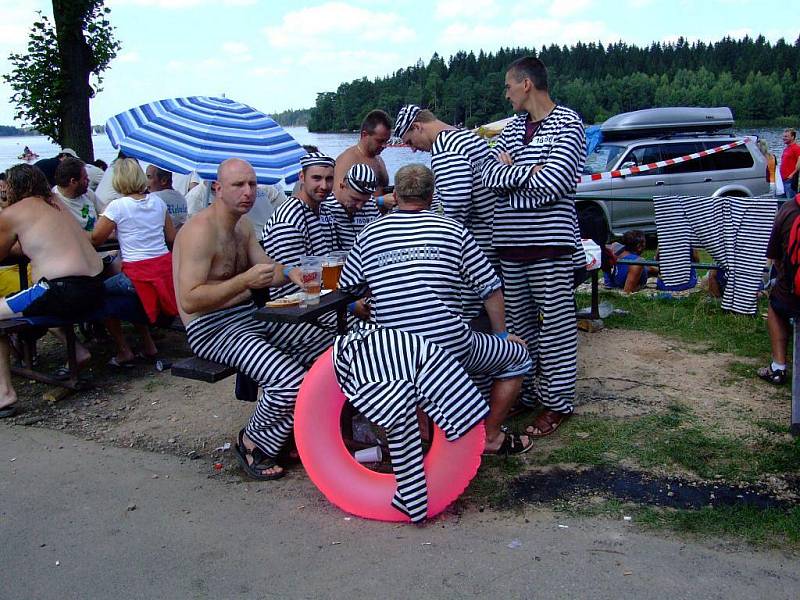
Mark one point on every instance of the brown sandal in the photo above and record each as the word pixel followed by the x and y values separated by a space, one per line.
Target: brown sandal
pixel 546 423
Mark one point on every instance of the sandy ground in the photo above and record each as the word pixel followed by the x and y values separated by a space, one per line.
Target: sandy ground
pixel 621 374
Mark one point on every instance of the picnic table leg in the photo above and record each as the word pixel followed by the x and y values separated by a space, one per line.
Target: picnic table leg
pixel 595 294
pixel 72 357
pixel 794 428
pixel 341 320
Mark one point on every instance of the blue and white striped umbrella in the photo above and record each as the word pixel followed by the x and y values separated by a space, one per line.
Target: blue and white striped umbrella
pixel 198 133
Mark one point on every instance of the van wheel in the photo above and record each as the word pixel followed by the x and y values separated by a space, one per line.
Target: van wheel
pixel 592 223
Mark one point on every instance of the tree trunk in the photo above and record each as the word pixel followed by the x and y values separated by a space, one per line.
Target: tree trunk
pixel 77 65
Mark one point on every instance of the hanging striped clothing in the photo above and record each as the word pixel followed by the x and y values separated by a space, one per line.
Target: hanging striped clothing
pixel 275 355
pixel 538 208
pixel 735 231
pixel 340 230
pixel 456 158
pixel 293 231
pixel 386 375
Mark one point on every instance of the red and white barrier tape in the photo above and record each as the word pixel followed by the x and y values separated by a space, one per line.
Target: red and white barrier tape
pixel 661 163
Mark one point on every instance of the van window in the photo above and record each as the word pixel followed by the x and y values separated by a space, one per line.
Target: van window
pixel 735 158
pixel 681 149
pixel 602 159
pixel 644 155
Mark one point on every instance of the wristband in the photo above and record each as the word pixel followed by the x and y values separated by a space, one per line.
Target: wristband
pixel 379 201
pixel 502 335
pixel 351 308
pixel 286 271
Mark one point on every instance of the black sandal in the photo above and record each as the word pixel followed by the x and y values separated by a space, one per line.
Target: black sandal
pixel 511 445
pixel 777 377
pixel 260 461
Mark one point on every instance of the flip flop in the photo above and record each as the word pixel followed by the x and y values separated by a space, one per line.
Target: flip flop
pixel 114 363
pixel 8 411
pixel 511 445
pixel 260 461
pixel 546 422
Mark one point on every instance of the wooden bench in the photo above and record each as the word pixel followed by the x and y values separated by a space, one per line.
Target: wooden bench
pixel 201 369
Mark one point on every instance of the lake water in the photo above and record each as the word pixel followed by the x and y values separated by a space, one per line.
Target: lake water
pixel 330 143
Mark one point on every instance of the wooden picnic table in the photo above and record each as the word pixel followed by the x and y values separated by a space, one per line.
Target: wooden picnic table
pixel 335 301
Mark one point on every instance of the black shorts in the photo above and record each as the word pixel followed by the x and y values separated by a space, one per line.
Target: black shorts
pixel 786 309
pixel 67 298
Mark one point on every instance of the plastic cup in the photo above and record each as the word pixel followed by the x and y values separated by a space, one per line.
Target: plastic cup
pixel 332 266
pixel 369 455
pixel 311 270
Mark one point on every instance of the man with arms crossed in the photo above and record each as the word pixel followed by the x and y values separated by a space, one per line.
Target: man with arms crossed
pixel 376 129
pixel 217 262
pixel 539 157
pixel 62 260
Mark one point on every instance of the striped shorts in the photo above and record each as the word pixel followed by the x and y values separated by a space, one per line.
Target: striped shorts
pixel 274 355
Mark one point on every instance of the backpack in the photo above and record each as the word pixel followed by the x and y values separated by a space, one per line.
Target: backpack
pixel 792 261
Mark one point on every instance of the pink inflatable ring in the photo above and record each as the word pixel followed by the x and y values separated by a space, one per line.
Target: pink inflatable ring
pixel 449 466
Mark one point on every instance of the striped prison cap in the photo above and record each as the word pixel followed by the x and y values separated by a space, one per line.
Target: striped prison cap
pixel 404 119
pixel 362 178
pixel 316 159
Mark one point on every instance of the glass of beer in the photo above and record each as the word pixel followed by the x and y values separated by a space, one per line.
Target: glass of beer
pixel 331 269
pixel 311 269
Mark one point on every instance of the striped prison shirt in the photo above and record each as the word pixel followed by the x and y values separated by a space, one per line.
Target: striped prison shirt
pixel 339 228
pixel 538 209
pixel 734 231
pixel 293 231
pixel 275 355
pixel 415 264
pixel 456 157
pixel 387 374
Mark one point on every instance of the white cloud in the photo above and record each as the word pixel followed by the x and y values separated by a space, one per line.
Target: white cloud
pixel 567 9
pixel 529 33
pixel 237 52
pixel 321 26
pixel 452 9
pixel 177 4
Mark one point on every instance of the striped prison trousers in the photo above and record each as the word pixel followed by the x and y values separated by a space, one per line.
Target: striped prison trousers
pixel 734 231
pixel 274 355
pixel 386 375
pixel 540 308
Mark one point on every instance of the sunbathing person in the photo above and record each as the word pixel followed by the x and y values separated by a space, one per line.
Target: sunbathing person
pixel 144 229
pixel 62 260
pixel 629 278
pixel 217 264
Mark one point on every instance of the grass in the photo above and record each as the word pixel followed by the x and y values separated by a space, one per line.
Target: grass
pixel 695 319
pixel 763 526
pixel 673 441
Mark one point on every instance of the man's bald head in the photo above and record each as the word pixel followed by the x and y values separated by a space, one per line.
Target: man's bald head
pixel 232 166
pixel 236 185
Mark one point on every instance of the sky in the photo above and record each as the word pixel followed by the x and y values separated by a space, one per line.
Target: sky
pixel 276 55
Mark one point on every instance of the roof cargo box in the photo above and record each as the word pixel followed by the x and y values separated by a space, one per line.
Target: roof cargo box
pixel 662 121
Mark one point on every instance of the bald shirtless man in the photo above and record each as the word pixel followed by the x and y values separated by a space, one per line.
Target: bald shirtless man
pixel 376 129
pixel 217 263
pixel 63 262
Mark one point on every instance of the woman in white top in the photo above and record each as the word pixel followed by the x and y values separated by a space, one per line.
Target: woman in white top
pixel 144 229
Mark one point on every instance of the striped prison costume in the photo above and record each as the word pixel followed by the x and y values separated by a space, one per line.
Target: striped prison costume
pixel 275 355
pixel 456 157
pixel 386 375
pixel 735 231
pixel 339 228
pixel 537 215
pixel 293 231
pixel 415 264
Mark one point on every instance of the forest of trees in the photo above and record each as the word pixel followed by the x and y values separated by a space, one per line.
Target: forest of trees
pixel 757 79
